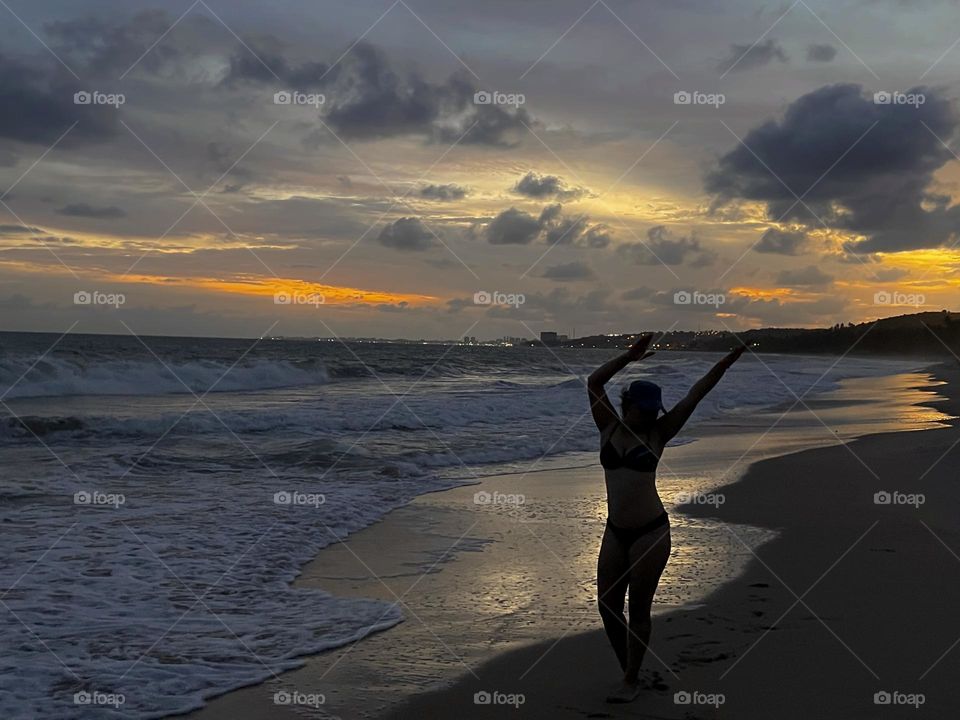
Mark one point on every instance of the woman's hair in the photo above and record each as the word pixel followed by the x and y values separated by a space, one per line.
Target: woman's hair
pixel 625 405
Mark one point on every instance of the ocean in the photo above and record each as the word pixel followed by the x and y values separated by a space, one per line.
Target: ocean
pixel 159 496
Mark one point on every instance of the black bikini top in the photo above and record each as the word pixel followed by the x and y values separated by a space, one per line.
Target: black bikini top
pixel 639 458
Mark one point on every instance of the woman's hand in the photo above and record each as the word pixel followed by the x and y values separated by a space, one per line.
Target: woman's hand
pixel 638 351
pixel 733 356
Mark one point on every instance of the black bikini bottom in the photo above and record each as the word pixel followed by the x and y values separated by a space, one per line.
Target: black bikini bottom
pixel 627 536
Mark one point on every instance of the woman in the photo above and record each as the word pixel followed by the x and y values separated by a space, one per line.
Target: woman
pixel 636 541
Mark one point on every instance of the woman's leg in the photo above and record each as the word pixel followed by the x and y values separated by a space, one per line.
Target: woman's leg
pixel 613 577
pixel 648 558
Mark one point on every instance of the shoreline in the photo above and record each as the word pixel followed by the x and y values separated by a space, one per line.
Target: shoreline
pixel 419 538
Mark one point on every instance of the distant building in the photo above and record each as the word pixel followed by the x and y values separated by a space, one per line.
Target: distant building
pixel 563 338
pixel 548 337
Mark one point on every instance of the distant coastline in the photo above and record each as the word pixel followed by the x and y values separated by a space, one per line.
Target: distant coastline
pixel 925 334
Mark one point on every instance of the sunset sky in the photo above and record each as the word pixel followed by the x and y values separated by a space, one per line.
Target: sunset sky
pixel 786 187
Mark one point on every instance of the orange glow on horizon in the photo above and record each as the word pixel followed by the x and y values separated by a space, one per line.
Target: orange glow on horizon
pixel 257 285
pixel 252 285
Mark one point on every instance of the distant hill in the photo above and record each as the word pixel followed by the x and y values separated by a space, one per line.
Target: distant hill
pixel 920 334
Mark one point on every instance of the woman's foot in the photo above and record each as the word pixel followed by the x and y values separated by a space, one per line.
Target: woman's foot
pixel 653 680
pixel 625 692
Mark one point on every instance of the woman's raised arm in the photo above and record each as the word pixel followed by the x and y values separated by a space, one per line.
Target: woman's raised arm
pixel 603 411
pixel 673 421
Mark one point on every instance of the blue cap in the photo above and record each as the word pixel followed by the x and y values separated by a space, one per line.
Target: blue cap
pixel 645 395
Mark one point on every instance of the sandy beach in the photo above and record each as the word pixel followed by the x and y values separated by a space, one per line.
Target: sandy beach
pixel 793 596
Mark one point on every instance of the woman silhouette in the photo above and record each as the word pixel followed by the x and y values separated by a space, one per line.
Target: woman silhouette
pixel 636 541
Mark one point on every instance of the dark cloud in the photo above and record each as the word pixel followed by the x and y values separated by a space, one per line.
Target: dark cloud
pixel 568 272
pixel 860 166
pixel 18 229
pixel 407 233
pixel 449 191
pixel 821 52
pixel 393 307
pixel 810 276
pixel 661 248
pixel 489 125
pixel 561 306
pixel 368 98
pixel 88 211
pixel 638 293
pixel 223 160
pixel 105 48
pixel 781 242
pixel 560 229
pixel 39 107
pixel 597 236
pixel 512 227
pixel 517 227
pixel 546 186
pixel 747 57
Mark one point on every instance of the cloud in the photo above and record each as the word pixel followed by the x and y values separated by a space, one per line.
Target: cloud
pixel 449 191
pixel 367 98
pixel 638 293
pixel 782 242
pixel 547 186
pixel 862 167
pixel 662 248
pixel 561 306
pixel 106 48
pixel 821 52
pixel 393 307
pixel 597 236
pixel 890 274
pixel 88 211
pixel 748 57
pixel 17 229
pixel 568 272
pixel 407 234
pixel 810 276
pixel 39 107
pixel 512 227
pixel 518 227
pixel 561 229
